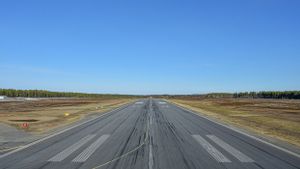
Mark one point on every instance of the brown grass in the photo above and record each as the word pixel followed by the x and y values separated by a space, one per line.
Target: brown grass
pixel 274 118
pixel 45 115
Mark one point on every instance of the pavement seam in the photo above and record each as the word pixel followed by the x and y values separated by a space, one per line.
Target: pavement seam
pixel 150 160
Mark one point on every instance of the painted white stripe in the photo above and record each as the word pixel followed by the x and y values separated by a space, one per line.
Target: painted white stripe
pixel 211 150
pixel 236 153
pixel 82 157
pixel 150 157
pixel 64 154
pixel 151 121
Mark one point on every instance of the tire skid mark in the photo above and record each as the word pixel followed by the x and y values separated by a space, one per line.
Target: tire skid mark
pixel 139 148
pixel 170 131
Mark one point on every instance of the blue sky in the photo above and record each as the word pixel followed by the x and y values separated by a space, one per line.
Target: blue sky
pixel 149 46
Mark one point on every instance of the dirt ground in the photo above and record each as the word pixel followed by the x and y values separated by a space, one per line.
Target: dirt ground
pixel 44 115
pixel 275 118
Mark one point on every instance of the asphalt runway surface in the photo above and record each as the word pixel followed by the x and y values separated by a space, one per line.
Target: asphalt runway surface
pixel 150 134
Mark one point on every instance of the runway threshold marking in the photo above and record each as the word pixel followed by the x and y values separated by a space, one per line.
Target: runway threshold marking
pixel 82 157
pixel 233 151
pixel 217 155
pixel 64 154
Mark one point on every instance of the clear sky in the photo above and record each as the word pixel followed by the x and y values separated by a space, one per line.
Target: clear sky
pixel 149 46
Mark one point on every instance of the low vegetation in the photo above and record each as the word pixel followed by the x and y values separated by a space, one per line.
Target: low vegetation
pixel 41 116
pixel 276 118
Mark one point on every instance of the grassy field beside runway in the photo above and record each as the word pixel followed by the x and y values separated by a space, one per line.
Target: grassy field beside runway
pixel 40 116
pixel 271 117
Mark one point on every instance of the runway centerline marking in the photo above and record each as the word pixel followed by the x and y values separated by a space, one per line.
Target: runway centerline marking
pixel 233 151
pixel 64 154
pixel 82 157
pixel 150 157
pixel 217 155
pixel 151 120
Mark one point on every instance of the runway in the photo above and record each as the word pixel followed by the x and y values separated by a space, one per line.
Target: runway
pixel 149 134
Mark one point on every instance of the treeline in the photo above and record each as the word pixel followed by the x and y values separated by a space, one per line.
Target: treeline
pixel 269 94
pixel 45 93
pixel 261 94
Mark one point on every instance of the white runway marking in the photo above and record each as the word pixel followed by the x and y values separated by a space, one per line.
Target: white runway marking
pixel 162 103
pixel 64 154
pixel 151 120
pixel 211 150
pixel 139 103
pixel 91 149
pixel 236 153
pixel 150 157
